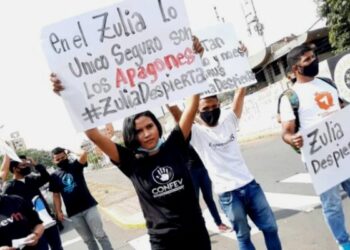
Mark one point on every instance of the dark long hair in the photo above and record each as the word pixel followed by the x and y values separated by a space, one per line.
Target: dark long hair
pixel 129 130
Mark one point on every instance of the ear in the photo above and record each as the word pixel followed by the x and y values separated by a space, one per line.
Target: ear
pixel 294 69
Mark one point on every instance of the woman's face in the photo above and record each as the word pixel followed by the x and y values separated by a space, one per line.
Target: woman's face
pixel 147 132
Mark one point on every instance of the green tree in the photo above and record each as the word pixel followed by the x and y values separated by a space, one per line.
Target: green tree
pixel 337 14
pixel 95 160
pixel 40 156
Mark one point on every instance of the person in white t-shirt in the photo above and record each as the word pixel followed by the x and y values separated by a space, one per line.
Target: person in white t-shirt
pixel 215 141
pixel 317 99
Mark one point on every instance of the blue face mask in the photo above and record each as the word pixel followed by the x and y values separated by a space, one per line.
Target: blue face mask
pixel 156 148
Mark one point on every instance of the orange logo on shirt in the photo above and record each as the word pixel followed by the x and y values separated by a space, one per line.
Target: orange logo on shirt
pixel 324 100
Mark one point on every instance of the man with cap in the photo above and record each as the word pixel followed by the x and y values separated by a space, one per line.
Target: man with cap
pixel 317 99
pixel 27 186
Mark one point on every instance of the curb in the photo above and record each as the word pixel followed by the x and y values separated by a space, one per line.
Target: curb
pixel 127 222
pixel 123 223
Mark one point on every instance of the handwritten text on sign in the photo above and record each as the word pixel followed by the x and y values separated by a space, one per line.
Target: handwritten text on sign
pixel 123 59
pixel 326 150
pixel 225 63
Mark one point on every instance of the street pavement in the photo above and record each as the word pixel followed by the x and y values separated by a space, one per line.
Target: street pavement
pixel 275 166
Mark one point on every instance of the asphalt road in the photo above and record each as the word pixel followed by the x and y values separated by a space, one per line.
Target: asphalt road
pixel 270 161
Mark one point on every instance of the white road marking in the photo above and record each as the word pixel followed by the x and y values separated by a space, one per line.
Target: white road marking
pixel 211 226
pixel 70 242
pixel 305 203
pixel 141 243
pixel 298 178
pixel 297 202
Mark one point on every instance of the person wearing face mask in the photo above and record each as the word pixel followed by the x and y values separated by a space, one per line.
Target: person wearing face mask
pixel 317 99
pixel 158 171
pixel 69 182
pixel 27 186
pixel 240 196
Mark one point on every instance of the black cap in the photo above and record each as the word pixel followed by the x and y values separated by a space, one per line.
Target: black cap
pixel 13 164
pixel 57 150
pixel 294 55
pixel 22 157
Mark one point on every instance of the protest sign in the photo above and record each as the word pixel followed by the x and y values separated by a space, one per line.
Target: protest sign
pixel 123 59
pixel 326 150
pixel 7 150
pixel 225 60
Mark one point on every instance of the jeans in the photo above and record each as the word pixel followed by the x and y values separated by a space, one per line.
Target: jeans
pixel 201 180
pixel 250 200
pixel 51 237
pixel 333 211
pixel 89 226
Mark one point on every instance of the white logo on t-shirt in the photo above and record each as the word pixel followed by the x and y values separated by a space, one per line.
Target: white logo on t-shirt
pixel 223 144
pixel 163 175
pixel 14 217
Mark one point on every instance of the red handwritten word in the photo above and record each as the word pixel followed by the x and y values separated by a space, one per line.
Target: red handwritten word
pixel 154 68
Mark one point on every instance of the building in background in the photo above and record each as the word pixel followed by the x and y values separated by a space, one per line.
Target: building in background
pixel 17 142
pixel 269 65
pixel 96 157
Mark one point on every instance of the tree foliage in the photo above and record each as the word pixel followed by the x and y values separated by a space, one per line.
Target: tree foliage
pixel 40 156
pixel 337 14
pixel 95 160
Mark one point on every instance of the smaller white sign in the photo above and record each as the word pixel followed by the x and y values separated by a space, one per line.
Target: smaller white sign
pixel 326 150
pixel 7 150
pixel 225 61
pixel 19 243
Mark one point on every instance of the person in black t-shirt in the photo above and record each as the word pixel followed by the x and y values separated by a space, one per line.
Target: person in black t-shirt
pixel 18 220
pixel 69 182
pixel 201 182
pixel 158 171
pixel 27 186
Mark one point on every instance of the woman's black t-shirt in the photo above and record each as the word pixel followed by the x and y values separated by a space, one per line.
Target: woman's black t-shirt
pixel 164 186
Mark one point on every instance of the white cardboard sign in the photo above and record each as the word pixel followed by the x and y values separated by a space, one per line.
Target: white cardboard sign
pixel 123 59
pixel 225 62
pixel 326 150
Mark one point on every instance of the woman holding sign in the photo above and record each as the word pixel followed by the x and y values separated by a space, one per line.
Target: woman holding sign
pixel 158 171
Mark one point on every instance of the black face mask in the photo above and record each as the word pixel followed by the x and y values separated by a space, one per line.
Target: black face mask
pixel 211 117
pixel 310 70
pixel 25 171
pixel 63 164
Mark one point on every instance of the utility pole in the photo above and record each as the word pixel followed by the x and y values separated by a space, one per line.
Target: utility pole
pixel 252 19
pixel 220 19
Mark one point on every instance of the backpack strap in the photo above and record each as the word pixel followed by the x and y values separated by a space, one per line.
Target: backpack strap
pixel 330 82
pixel 294 102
